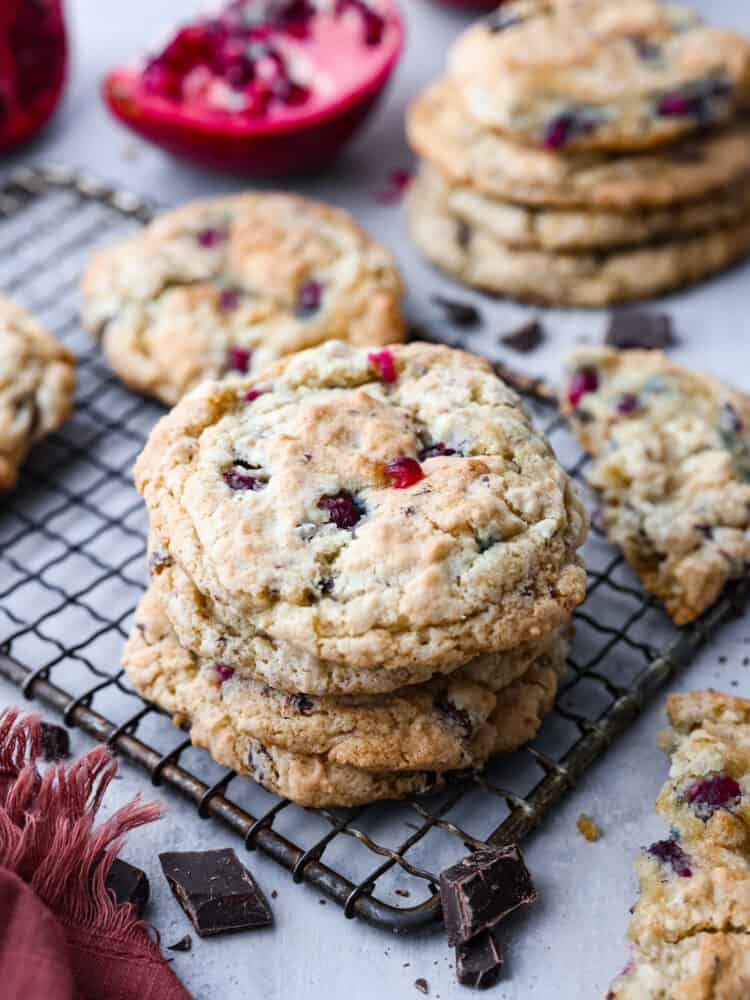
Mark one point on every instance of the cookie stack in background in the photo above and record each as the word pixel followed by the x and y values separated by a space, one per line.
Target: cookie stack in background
pixel 363 566
pixel 583 152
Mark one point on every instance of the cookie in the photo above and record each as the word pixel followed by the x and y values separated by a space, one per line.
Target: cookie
pixel 451 724
pixel 388 509
pixel 592 75
pixel 691 925
pixel 230 284
pixel 37 385
pixel 672 450
pixel 697 168
pixel 577 229
pixel 289 669
pixel 594 278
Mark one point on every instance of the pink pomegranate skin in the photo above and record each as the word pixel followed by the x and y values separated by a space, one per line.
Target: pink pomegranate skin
pixel 303 138
pixel 33 66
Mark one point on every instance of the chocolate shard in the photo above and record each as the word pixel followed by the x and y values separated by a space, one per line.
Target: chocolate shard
pixel 640 328
pixel 128 884
pixel 458 313
pixel 479 891
pixel 216 891
pixel 55 742
pixel 184 944
pixel 479 962
pixel 422 985
pixel 524 339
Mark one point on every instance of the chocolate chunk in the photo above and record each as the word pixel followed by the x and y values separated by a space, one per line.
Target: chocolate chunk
pixel 479 891
pixel 421 985
pixel 479 961
pixel 217 892
pixel 526 338
pixel 128 884
pixel 55 741
pixel 458 313
pixel 640 328
pixel 184 944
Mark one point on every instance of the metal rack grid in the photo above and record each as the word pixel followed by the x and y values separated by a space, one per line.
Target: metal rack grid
pixel 72 567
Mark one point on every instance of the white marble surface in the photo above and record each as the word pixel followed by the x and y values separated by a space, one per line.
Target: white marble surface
pixel 569 945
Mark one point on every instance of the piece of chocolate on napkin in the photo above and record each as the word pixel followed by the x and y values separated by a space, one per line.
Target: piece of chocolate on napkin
pixel 524 339
pixel 128 884
pixel 216 891
pixel 640 328
pixel 54 741
pixel 479 891
pixel 479 962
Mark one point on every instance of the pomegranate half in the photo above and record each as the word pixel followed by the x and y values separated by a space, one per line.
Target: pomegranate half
pixel 33 66
pixel 266 87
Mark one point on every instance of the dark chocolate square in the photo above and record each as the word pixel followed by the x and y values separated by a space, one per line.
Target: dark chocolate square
pixel 524 339
pixel 640 328
pixel 55 742
pixel 479 962
pixel 216 891
pixel 479 891
pixel 128 884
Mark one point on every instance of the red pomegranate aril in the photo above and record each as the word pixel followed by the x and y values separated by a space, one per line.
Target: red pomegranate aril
pixel 309 298
pixel 675 105
pixel 584 381
pixel 714 791
pixel 252 394
pixel 209 238
pixel 342 509
pixel 224 673
pixel 404 472
pixel 239 359
pixel 669 852
pixel 386 365
pixel 240 479
pixel 229 299
pixel 627 404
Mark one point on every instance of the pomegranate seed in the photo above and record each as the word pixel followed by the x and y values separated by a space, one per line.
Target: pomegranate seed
pixel 584 381
pixel 385 363
pixel 404 472
pixel 675 105
pixel 239 359
pixel 309 298
pixel 628 403
pixel 229 300
pixel 224 673
pixel 670 853
pixel 716 791
pixel 239 478
pixel 252 394
pixel 209 238
pixel 342 509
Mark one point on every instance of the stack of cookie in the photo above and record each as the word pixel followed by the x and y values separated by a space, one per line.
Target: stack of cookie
pixel 363 566
pixel 583 152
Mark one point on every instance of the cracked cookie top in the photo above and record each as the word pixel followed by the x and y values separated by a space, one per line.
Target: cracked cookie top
pixel 587 74
pixel 227 285
pixel 673 470
pixel 37 384
pixel 392 507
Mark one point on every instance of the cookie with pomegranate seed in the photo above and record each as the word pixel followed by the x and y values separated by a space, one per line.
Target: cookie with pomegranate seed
pixel 700 167
pixel 450 724
pixel 672 466
pixel 575 229
pixel 225 286
pixel 37 385
pixel 287 668
pixel 594 277
pixel 378 509
pixel 691 925
pixel 584 75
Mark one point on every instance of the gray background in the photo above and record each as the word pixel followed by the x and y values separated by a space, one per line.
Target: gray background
pixel 572 942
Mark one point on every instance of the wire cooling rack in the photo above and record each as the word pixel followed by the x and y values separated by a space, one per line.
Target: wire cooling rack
pixel 72 567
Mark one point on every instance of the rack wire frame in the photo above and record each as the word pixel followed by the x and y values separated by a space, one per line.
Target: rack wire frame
pixel 72 551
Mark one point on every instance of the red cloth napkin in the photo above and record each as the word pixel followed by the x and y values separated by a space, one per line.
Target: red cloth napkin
pixel 62 935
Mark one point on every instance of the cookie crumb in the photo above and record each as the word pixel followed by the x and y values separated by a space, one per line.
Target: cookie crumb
pixel 588 828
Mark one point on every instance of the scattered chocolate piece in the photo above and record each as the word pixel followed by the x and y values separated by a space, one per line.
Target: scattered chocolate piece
pixel 274 894
pixel 55 742
pixel 402 892
pixel 184 944
pixel 526 338
pixel 421 985
pixel 459 313
pixel 215 890
pixel 128 884
pixel 640 328
pixel 590 830
pixel 479 961
pixel 479 891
